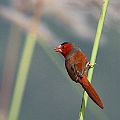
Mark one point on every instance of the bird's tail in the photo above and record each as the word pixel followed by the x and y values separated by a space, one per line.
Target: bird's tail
pixel 90 91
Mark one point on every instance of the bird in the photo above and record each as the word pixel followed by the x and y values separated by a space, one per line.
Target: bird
pixel 76 64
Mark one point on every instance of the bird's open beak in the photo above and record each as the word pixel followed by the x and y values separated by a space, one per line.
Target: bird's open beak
pixel 58 48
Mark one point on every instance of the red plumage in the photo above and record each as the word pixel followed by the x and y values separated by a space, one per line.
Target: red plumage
pixel 76 64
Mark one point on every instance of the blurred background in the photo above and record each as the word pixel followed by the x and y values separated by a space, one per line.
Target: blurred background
pixel 49 93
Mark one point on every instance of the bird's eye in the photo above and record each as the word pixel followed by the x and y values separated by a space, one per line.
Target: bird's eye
pixel 63 46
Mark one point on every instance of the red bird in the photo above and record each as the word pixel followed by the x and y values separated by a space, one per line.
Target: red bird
pixel 76 64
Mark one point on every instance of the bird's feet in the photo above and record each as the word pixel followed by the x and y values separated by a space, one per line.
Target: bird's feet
pixel 90 65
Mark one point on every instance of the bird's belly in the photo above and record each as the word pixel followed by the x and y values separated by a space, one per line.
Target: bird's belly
pixel 71 73
pixel 72 76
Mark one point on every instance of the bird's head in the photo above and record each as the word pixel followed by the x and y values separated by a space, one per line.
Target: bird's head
pixel 67 48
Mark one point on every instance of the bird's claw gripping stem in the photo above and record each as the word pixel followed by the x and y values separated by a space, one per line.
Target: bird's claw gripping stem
pixel 90 65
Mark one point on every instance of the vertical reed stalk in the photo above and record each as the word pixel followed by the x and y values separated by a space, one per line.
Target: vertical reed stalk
pixel 21 78
pixel 25 64
pixel 93 56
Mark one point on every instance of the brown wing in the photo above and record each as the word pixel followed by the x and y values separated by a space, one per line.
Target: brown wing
pixel 79 65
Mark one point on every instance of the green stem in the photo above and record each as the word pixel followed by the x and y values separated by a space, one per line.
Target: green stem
pixel 93 56
pixel 22 78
